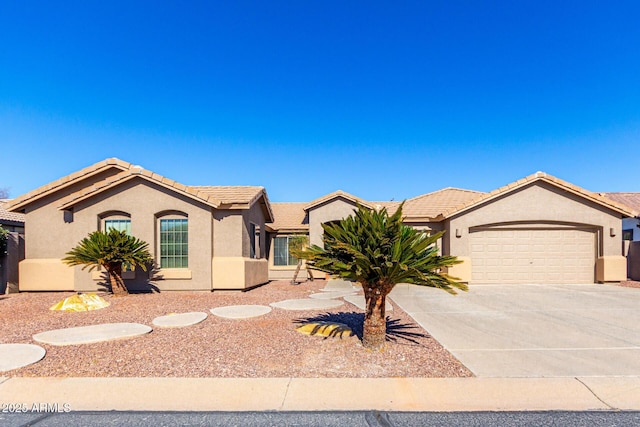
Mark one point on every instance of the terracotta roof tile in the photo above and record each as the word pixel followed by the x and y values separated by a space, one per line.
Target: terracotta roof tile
pixel 9 216
pixel 629 199
pixel 431 205
pixel 231 194
pixel 289 217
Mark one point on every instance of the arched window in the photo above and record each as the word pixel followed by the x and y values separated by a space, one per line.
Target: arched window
pixel 173 241
pixel 121 221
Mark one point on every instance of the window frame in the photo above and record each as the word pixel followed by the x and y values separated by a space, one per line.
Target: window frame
pixel 184 245
pixel 289 256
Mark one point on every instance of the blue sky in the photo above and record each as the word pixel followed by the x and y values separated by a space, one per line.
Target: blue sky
pixel 386 100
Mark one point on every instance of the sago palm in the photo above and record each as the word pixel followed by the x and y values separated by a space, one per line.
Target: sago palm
pixel 379 251
pixel 110 250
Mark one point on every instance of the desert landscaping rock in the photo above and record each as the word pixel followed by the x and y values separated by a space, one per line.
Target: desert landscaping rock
pixel 241 311
pixel 332 294
pixel 14 356
pixel 359 301
pixel 179 320
pixel 339 285
pixel 307 304
pixel 92 334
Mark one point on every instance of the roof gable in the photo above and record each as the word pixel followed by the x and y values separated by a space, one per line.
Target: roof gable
pixel 539 177
pixel 337 195
pixel 223 197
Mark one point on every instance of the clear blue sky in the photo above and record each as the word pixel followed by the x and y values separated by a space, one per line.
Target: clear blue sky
pixel 386 100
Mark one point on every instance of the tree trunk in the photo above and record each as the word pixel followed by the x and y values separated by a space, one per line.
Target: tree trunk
pixel 374 331
pixel 295 275
pixel 115 280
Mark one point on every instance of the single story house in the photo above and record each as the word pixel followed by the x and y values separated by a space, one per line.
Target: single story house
pixel 539 229
pixel 202 238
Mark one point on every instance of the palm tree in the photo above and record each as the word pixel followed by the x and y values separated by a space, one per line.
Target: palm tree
pixel 110 250
pixel 379 251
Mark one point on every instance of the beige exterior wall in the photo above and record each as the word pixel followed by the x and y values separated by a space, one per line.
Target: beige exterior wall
pixel 239 272
pixel 334 209
pixel 537 206
pixel 51 234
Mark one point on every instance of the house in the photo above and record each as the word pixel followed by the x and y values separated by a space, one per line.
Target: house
pixel 539 229
pixel 630 232
pixel 630 226
pixel 203 238
pixel 14 251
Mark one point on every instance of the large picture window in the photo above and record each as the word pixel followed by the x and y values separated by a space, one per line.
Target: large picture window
pixel 174 243
pixel 281 255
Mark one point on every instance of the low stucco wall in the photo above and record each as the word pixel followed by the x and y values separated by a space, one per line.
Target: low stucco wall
pixel 462 271
pixel 238 272
pixel 611 269
pixel 45 274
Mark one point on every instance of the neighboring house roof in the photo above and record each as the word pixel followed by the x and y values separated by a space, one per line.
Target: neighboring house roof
pixel 217 197
pixel 289 217
pixel 6 217
pixel 630 199
pixel 540 176
pixel 431 205
pixel 336 195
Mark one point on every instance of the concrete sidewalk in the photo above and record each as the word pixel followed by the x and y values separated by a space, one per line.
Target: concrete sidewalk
pixel 324 394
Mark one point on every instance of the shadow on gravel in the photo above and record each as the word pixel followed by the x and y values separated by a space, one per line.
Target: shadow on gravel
pixel 401 333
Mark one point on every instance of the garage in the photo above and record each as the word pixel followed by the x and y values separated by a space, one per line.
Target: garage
pixel 535 256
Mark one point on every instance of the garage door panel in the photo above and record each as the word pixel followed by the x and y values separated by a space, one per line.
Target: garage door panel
pixel 532 256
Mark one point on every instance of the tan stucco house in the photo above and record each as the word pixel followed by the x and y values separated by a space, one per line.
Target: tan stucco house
pixel 539 229
pixel 202 238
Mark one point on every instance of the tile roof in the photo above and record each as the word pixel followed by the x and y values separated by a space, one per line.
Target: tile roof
pixel 289 217
pixel 216 197
pixel 9 216
pixel 431 205
pixel 67 180
pixel 541 176
pixel 630 199
pixel 335 195
pixel 228 195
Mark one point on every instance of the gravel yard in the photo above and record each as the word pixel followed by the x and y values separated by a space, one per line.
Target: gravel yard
pixel 265 346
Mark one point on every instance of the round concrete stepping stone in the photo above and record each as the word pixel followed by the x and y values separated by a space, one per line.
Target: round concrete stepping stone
pixel 240 311
pixel 339 285
pixel 307 304
pixel 14 356
pixel 331 294
pixel 359 301
pixel 92 334
pixel 179 320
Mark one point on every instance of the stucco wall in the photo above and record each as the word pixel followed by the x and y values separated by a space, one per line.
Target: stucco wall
pixel 333 210
pixel 51 235
pixel 533 204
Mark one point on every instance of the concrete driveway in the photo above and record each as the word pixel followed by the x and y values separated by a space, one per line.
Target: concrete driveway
pixel 533 330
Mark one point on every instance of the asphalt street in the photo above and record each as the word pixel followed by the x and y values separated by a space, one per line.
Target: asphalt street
pixel 323 419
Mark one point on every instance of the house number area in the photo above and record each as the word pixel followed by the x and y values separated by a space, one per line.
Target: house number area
pixel 26 408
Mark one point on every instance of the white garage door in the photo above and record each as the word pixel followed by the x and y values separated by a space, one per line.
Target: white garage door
pixel 532 256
